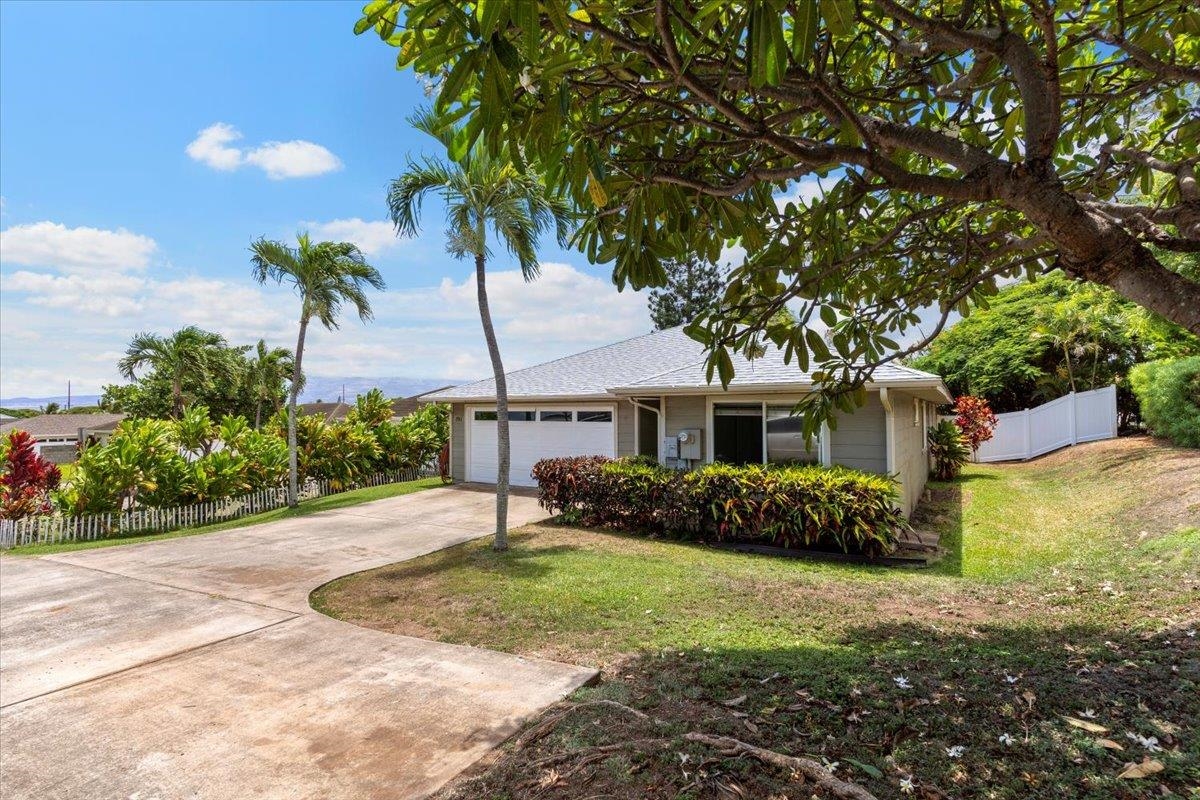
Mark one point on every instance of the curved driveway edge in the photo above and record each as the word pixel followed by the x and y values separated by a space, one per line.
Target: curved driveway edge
pixel 194 667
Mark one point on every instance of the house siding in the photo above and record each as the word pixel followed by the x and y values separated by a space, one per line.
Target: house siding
pixel 686 412
pixel 458 443
pixel 626 444
pixel 860 440
pixel 911 462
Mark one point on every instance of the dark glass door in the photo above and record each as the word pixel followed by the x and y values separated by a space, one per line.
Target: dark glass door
pixel 738 434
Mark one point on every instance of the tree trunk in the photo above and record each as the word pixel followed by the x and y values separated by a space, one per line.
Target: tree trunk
pixel 293 391
pixel 257 413
pixel 1070 372
pixel 177 396
pixel 502 441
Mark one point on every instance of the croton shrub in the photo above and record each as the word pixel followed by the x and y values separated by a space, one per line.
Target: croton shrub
pixel 824 508
pixel 26 478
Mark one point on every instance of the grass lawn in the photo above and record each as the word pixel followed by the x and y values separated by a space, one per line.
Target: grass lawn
pixel 327 503
pixel 1071 588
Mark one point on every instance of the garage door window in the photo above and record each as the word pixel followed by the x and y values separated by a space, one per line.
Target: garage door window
pixel 595 416
pixel 556 416
pixel 513 416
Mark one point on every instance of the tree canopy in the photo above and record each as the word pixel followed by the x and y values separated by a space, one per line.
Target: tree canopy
pixel 960 144
pixel 1035 339
pixel 693 287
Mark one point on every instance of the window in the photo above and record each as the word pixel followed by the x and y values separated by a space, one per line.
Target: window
pixel 738 433
pixel 785 438
pixel 594 416
pixel 556 416
pixel 513 416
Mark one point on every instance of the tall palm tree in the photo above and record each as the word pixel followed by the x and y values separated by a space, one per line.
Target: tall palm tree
pixel 269 369
pixel 188 355
pixel 326 275
pixel 483 194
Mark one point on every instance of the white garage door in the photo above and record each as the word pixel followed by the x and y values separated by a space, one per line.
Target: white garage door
pixel 538 432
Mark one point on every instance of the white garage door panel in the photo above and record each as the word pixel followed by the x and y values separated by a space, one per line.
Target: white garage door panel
pixel 533 441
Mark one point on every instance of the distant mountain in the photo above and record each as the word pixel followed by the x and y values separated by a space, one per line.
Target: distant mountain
pixel 317 388
pixel 330 389
pixel 38 402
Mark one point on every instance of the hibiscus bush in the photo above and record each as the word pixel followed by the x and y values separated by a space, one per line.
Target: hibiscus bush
pixel 26 479
pixel 825 508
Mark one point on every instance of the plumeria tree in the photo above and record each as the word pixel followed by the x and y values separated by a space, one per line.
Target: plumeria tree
pixel 873 157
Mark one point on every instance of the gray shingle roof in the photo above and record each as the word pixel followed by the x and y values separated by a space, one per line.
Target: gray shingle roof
pixel 62 424
pixel 660 360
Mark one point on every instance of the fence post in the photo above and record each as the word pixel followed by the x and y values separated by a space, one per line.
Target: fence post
pixel 1073 412
pixel 1026 416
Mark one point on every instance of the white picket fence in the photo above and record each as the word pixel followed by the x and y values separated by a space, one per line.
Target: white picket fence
pixel 57 528
pixel 1071 419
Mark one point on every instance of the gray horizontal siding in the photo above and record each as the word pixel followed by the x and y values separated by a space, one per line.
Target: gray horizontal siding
pixel 626 445
pixel 860 441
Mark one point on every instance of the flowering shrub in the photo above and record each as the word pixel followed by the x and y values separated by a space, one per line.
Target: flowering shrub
pixel 975 419
pixel 26 478
pixel 792 506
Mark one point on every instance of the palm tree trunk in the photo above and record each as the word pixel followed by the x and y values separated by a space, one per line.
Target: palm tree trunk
pixel 1070 373
pixel 502 441
pixel 293 472
pixel 257 413
pixel 177 396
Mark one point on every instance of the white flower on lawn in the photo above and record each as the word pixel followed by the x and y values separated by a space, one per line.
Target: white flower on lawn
pixel 1006 739
pixel 956 751
pixel 1148 742
pixel 1011 678
pixel 907 786
pixel 1191 634
pixel 901 682
pixel 1088 713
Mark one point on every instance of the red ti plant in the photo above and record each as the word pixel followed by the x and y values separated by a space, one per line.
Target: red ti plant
pixel 975 419
pixel 26 478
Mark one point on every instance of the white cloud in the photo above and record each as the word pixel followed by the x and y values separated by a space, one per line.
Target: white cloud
pixel 279 160
pixel 372 237
pixel 294 159
pixel 802 193
pixel 111 294
pixel 50 244
pixel 211 147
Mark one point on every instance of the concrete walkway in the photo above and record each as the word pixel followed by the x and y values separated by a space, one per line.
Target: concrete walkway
pixel 194 667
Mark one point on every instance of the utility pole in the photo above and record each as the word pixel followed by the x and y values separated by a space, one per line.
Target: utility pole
pixel 68 394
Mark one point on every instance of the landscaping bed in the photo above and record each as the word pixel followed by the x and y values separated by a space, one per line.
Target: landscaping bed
pixel 1050 651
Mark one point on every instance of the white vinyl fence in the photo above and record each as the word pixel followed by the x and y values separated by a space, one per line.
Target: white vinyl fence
pixel 1071 419
pixel 56 528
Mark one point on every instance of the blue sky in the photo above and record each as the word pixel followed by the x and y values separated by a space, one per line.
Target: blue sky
pixel 142 148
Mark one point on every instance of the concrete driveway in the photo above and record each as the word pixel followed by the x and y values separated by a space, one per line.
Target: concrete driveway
pixel 194 667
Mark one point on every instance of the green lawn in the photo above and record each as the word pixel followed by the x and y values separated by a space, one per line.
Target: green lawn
pixel 327 503
pixel 1071 583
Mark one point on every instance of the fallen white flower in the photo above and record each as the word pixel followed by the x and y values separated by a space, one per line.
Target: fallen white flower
pixel 956 751
pixel 901 681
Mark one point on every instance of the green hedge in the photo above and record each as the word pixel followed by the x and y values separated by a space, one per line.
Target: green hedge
pixel 1169 395
pixel 812 507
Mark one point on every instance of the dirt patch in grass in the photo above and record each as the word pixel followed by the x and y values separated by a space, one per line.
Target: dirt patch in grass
pixel 1070 588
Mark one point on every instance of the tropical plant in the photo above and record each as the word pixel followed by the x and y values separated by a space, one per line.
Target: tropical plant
pixel 872 157
pixel 949 450
pixel 51 408
pixel 783 506
pixel 140 464
pixel 485 195
pixel 371 409
pixel 1169 394
pixel 975 419
pixel 326 276
pixel 268 374
pixel 195 431
pixel 26 478
pixel 189 354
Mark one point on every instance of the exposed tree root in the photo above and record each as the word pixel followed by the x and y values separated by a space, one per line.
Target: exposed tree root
pixel 545 726
pixel 805 766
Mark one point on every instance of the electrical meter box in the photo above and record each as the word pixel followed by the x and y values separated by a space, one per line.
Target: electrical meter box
pixel 670 448
pixel 689 444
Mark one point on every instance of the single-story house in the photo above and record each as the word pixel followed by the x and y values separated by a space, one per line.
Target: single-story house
pixel 649 396
pixel 57 436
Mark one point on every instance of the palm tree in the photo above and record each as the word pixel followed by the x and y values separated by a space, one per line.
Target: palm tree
pixel 269 369
pixel 326 275
pixel 190 354
pixel 482 193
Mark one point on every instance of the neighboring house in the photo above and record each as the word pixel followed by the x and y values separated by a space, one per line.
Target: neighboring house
pixel 637 397
pixel 401 407
pixel 57 436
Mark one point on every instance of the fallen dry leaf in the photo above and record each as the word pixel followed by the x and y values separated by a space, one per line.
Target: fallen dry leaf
pixel 1090 727
pixel 1142 769
pixel 1109 743
pixel 735 701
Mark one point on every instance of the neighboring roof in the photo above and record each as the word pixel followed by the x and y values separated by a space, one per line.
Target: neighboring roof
pixel 664 362
pixel 403 406
pixel 45 425
pixel 330 411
